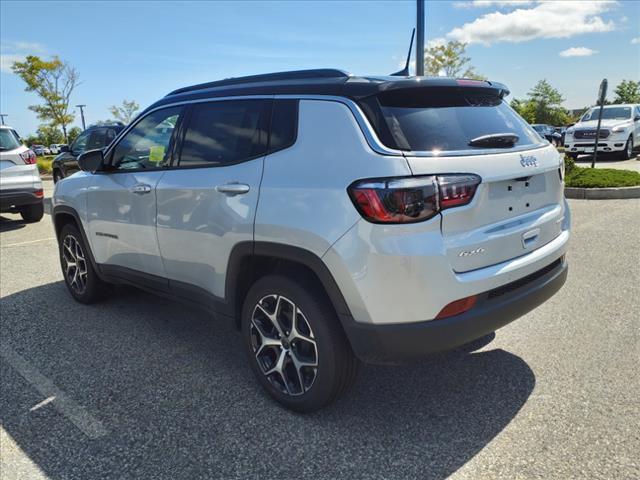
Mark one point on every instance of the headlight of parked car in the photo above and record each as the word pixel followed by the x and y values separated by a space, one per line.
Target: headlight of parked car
pixel 619 128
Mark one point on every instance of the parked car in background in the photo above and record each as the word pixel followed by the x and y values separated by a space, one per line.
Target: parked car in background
pixel 549 133
pixel 385 231
pixel 46 150
pixel 56 148
pixel 20 184
pixel 560 131
pixel 619 131
pixel 38 149
pixel 92 138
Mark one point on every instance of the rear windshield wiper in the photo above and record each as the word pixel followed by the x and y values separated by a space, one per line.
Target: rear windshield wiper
pixel 495 140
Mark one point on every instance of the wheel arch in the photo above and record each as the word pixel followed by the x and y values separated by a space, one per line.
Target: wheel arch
pixel 250 261
pixel 65 215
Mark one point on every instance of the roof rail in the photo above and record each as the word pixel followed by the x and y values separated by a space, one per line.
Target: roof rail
pixel 268 77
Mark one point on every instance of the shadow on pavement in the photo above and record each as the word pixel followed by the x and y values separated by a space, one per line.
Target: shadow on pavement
pixel 176 398
pixel 8 224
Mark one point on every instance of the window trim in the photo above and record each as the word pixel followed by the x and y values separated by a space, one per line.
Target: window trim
pixel 108 154
pixel 266 123
pixel 295 126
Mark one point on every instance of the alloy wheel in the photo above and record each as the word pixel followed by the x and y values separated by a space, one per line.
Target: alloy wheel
pixel 284 345
pixel 74 264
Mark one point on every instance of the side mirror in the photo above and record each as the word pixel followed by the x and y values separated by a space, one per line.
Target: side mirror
pixel 91 161
pixel 636 118
pixel 63 148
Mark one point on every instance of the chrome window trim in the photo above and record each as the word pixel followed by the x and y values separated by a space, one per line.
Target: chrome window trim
pixel 364 124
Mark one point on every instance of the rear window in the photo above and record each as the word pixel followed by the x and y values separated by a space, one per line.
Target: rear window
pixel 444 120
pixel 8 139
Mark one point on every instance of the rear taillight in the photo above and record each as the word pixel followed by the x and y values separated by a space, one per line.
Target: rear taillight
pixel 39 193
pixel 456 190
pixel 29 157
pixel 411 199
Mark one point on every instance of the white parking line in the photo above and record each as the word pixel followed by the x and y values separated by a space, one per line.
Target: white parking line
pixel 76 414
pixel 28 242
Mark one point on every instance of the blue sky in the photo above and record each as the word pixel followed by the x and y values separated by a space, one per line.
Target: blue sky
pixel 143 50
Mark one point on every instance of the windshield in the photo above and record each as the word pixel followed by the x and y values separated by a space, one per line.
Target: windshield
pixel 447 120
pixel 8 139
pixel 608 113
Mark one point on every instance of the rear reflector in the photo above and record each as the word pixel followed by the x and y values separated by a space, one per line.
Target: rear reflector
pixel 39 193
pixel 457 307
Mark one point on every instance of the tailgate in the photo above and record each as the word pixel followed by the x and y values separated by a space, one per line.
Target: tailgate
pixel 517 208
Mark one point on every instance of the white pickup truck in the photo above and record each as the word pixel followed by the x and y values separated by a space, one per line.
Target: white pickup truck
pixel 619 131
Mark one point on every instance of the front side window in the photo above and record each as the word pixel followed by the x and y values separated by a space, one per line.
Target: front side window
pixel 80 144
pixel 96 139
pixel 225 132
pixel 148 144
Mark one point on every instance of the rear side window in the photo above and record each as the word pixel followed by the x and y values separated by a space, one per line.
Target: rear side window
pixel 445 120
pixel 8 139
pixel 284 125
pixel 225 132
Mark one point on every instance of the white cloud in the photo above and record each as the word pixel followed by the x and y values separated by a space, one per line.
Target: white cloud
pixel 491 3
pixel 6 60
pixel 11 52
pixel 635 41
pixel 559 19
pixel 436 42
pixel 578 52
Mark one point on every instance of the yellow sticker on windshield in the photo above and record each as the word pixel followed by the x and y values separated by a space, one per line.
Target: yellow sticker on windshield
pixel 156 154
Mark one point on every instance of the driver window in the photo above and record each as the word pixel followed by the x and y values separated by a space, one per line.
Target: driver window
pixel 80 144
pixel 147 145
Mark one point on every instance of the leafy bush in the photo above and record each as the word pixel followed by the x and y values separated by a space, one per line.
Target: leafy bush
pixel 569 165
pixel 44 164
pixel 601 178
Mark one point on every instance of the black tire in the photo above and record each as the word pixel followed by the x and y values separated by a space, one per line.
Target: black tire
pixel 32 213
pixel 87 288
pixel 309 389
pixel 627 153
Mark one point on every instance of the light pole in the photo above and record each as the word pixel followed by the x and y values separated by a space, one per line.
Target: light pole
pixel 81 107
pixel 2 115
pixel 420 39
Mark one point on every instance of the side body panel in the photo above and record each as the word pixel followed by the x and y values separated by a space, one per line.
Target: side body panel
pixel 199 226
pixel 122 223
pixel 303 196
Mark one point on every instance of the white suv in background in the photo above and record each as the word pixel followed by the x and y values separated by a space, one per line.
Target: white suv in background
pixel 619 131
pixel 332 217
pixel 20 184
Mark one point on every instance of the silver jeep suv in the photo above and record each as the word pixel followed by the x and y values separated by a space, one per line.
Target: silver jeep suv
pixel 334 218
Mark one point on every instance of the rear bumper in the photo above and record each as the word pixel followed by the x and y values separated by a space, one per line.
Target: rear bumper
pixel 395 343
pixel 11 199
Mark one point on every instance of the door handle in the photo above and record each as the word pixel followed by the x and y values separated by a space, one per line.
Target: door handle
pixel 141 188
pixel 232 189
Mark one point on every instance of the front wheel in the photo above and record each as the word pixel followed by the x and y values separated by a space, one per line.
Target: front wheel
pixel 32 213
pixel 627 153
pixel 79 275
pixel 295 343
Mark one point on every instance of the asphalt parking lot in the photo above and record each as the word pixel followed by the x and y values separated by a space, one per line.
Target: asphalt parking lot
pixel 141 387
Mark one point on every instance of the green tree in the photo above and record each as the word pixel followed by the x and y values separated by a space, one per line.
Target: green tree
pixel 48 134
pixel 449 60
pixel 53 81
pixel 627 91
pixel 125 112
pixel 73 134
pixel 547 104
pixel 525 108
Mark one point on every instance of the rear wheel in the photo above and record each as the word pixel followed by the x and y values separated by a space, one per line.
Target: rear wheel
pixel 296 346
pixel 79 275
pixel 627 153
pixel 32 213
